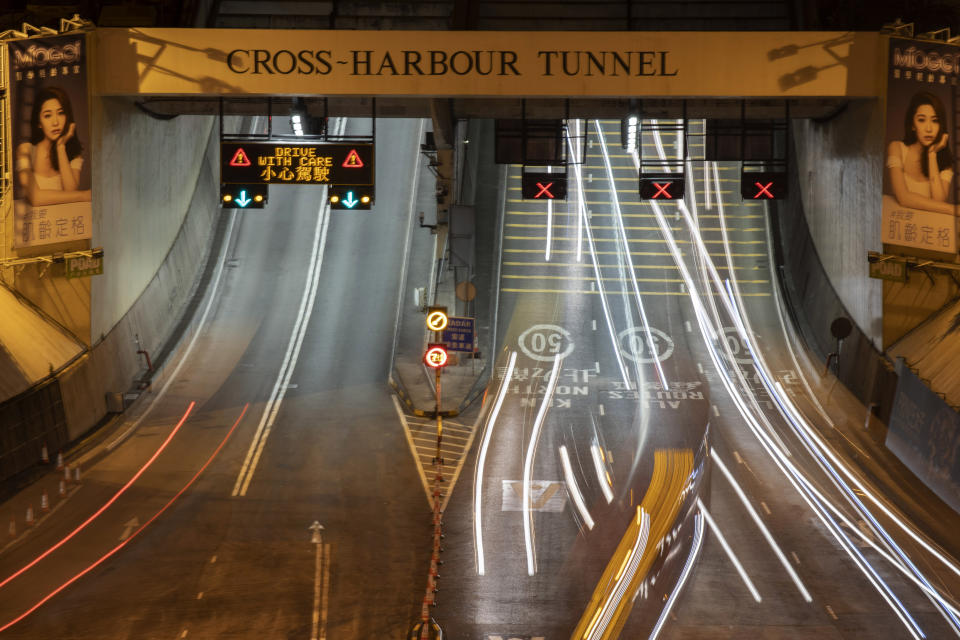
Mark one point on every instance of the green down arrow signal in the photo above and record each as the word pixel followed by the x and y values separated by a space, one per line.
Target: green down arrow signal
pixel 243 200
pixel 350 202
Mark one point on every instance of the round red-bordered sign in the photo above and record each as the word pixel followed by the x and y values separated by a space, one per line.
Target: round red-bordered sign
pixel 436 357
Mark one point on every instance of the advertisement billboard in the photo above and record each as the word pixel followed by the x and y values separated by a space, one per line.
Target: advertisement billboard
pixel 920 149
pixel 51 138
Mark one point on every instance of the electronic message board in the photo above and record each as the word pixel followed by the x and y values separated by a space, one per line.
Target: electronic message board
pixel 244 162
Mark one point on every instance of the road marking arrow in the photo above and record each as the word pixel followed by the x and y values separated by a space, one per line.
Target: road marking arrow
pixel 243 200
pixel 129 527
pixel 317 537
pixel 350 202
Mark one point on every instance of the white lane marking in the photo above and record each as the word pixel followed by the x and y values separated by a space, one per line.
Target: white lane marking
pixel 796 558
pixel 832 613
pixel 766 509
pixel 317 581
pixel 183 359
pixel 700 367
pixel 593 325
pixel 324 598
pixel 200 596
pixel 272 407
pixel 686 323
pixel 600 407
pixel 213 559
pixel 184 634
pixel 413 448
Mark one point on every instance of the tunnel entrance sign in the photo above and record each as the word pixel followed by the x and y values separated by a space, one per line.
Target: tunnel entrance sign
pixel 296 163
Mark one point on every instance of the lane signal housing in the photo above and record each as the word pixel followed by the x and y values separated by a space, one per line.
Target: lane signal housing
pixel 350 198
pixel 763 185
pixel 544 186
pixel 662 186
pixel 243 196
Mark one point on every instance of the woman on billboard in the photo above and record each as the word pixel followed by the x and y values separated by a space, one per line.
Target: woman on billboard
pixel 48 166
pixel 920 167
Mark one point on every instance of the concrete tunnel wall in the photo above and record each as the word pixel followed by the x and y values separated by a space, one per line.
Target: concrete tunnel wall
pixel 157 190
pixel 840 166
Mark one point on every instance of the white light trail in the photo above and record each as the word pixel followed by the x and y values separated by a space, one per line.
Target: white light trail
pixel 549 247
pixel 777 454
pixel 726 547
pixel 528 466
pixel 602 475
pixel 625 576
pixel 481 459
pixel 581 206
pixel 596 272
pixel 573 490
pixel 684 573
pixel 763 528
pixel 615 199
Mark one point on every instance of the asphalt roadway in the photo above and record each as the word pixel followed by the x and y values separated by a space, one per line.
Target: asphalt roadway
pixel 218 565
pixel 213 540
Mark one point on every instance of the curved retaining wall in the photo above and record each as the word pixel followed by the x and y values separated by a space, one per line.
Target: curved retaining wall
pixel 75 398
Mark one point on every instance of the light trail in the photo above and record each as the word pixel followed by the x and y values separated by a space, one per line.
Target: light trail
pixel 133 535
pixel 603 476
pixel 573 490
pixel 618 214
pixel 624 576
pixel 684 574
pixel 777 455
pixel 581 206
pixel 730 554
pixel 605 305
pixel 546 253
pixel 481 460
pixel 763 528
pixel 528 466
pixel 96 514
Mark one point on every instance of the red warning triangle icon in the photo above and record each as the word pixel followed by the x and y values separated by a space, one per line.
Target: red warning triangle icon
pixel 240 159
pixel 353 160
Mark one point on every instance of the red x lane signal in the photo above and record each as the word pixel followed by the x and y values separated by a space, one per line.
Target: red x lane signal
pixel 544 186
pixel 763 190
pixel 544 190
pixel 763 185
pixel 669 186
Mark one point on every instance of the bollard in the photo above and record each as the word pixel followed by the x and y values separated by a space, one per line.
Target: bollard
pixel 44 502
pixel 30 516
pixel 63 489
pixel 59 461
pixel 76 474
pixel 44 455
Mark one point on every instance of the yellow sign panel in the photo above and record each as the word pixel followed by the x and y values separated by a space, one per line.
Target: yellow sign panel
pixel 486 63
